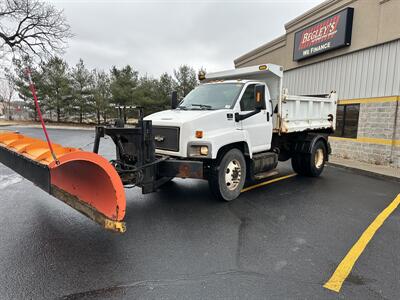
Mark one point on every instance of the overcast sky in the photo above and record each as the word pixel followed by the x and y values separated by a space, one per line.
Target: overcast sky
pixel 158 36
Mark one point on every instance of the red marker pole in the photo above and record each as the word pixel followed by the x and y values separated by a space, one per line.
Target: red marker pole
pixel 32 88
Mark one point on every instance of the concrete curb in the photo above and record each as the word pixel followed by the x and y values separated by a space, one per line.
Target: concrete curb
pixel 365 172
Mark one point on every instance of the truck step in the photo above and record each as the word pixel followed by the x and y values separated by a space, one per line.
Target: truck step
pixel 262 164
pixel 264 175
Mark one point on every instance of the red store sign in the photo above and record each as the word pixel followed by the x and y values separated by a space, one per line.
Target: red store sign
pixel 331 33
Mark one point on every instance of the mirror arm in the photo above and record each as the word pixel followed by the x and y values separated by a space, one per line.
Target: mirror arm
pixel 239 117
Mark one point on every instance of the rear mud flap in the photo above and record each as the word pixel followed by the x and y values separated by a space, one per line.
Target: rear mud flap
pixel 85 181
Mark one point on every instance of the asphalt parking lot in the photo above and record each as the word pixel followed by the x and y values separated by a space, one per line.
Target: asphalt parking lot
pixel 282 240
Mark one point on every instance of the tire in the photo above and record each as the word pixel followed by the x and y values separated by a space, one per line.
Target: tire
pixel 311 164
pixel 227 178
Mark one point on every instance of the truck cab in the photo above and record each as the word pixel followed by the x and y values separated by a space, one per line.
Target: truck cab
pixel 207 120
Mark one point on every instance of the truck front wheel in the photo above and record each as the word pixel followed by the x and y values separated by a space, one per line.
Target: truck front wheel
pixel 310 164
pixel 228 176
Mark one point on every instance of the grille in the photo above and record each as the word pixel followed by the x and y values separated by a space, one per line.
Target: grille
pixel 166 138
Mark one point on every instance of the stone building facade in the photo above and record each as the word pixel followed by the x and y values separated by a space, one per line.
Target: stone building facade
pixel 378 134
pixel 363 68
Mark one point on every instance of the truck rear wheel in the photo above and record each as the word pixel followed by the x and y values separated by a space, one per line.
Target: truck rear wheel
pixel 310 164
pixel 228 176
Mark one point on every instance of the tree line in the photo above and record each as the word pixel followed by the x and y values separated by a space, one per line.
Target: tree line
pixel 78 94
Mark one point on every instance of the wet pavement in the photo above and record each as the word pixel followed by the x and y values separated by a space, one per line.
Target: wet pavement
pixel 279 241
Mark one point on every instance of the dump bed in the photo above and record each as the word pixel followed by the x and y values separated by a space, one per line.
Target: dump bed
pixel 302 113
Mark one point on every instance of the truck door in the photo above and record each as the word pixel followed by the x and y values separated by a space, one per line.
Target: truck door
pixel 259 126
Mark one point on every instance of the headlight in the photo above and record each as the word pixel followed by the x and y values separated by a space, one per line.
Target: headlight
pixel 200 151
pixel 204 150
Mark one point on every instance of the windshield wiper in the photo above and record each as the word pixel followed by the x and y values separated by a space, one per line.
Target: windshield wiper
pixel 202 106
pixel 182 107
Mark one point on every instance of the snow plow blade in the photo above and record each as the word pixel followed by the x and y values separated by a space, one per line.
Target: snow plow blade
pixel 84 180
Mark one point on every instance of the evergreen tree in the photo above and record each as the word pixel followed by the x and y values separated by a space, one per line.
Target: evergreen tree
pixel 56 86
pixel 82 84
pixel 166 86
pixel 148 96
pixel 101 95
pixel 123 83
pixel 81 92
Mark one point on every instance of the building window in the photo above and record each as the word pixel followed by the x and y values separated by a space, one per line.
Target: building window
pixel 347 120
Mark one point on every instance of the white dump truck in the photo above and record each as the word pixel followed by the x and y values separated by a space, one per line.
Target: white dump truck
pixel 235 126
pixel 241 122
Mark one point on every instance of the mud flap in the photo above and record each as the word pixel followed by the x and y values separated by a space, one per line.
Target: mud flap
pixel 85 181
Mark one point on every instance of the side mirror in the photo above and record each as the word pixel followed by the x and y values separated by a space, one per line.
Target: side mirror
pixel 259 96
pixel 174 100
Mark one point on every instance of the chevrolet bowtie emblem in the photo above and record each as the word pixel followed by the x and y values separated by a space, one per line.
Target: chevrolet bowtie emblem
pixel 159 138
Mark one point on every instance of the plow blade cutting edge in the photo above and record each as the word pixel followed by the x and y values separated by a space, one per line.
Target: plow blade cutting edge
pixel 83 180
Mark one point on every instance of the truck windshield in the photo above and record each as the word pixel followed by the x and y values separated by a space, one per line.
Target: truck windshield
pixel 212 96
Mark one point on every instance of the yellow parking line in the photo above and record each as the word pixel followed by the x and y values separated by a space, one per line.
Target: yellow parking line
pixel 344 268
pixel 267 182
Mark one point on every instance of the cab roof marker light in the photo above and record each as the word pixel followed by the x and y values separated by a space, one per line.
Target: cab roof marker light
pixel 201 75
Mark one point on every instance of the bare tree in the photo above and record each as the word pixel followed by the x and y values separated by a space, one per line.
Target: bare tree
pixel 32 28
pixel 7 89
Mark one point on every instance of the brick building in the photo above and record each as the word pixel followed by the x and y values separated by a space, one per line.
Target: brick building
pixel 352 47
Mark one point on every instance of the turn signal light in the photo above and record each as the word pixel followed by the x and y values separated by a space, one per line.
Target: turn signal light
pixel 258 97
pixel 199 134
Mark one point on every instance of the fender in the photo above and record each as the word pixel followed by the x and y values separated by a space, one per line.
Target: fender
pixel 306 143
pixel 222 139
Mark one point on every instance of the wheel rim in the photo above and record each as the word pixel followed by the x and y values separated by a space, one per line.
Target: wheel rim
pixel 319 158
pixel 233 174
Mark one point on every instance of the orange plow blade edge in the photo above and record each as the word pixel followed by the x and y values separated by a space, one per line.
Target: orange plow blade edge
pixel 84 180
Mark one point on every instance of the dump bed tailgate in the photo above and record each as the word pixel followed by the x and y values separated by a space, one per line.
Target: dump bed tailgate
pixel 302 113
